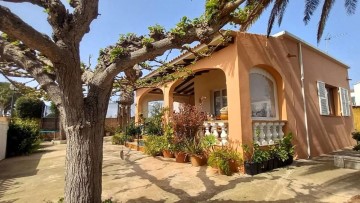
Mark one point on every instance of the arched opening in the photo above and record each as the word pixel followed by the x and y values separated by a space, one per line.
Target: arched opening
pixel 151 101
pixel 263 94
pixel 205 88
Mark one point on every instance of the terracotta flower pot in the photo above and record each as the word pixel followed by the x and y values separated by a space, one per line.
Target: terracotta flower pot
pixel 224 116
pixel 181 157
pixel 198 160
pixel 168 154
pixel 233 166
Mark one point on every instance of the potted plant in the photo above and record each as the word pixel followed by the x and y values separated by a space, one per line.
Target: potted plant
pixel 226 159
pixel 272 162
pixel 168 147
pixel 249 165
pixel 224 113
pixel 286 145
pixel 180 154
pixel 261 157
pixel 195 150
pixel 256 159
pixel 153 145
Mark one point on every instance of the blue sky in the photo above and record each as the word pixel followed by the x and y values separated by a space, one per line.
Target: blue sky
pixel 121 17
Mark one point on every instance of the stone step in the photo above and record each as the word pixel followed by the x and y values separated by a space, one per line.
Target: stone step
pixel 351 162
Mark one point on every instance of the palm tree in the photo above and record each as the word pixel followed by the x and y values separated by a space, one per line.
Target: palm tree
pixel 279 7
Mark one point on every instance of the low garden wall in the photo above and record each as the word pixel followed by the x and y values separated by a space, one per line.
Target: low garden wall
pixel 4 126
pixel 111 122
pixel 356 112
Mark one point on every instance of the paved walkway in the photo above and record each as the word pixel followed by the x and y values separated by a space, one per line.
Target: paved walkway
pixel 139 178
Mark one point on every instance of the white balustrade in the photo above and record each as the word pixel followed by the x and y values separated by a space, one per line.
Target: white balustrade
pixel 207 128
pixel 211 128
pixel 214 129
pixel 262 134
pixel 223 134
pixel 268 132
pixel 281 132
pixel 255 133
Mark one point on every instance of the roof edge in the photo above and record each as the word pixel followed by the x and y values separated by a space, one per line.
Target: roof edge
pixel 296 38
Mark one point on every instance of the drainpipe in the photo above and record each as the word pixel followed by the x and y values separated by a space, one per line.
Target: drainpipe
pixel 304 100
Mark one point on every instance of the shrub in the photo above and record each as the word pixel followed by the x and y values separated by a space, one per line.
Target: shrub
pixel 187 122
pixel 356 136
pixel 110 129
pixel 27 107
pixel 198 145
pixel 23 137
pixel 119 139
pixel 286 145
pixel 222 157
pixel 154 145
pixel 132 130
pixel 154 124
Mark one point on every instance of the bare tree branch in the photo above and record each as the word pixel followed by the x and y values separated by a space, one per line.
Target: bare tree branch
pixel 40 3
pixel 27 59
pixel 85 12
pixel 17 28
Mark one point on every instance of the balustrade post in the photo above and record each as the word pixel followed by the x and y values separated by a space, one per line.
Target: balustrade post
pixel 281 132
pixel 262 134
pixel 207 128
pixel 223 134
pixel 269 133
pixel 274 132
pixel 255 135
pixel 214 129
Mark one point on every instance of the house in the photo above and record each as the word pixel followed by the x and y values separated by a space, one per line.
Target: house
pixel 355 95
pixel 271 86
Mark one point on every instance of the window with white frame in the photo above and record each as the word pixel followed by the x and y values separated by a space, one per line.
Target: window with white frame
pixel 220 100
pixel 263 95
pixel 328 100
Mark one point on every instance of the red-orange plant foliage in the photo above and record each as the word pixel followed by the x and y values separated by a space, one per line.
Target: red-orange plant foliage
pixel 187 122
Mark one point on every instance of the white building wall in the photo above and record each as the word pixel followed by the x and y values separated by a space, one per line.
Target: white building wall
pixel 357 94
pixel 3 137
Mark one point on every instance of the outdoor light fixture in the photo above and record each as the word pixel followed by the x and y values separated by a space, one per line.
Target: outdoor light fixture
pixel 291 55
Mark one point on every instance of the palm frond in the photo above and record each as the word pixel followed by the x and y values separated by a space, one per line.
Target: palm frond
pixel 259 8
pixel 324 16
pixel 282 11
pixel 350 6
pixel 277 11
pixel 310 7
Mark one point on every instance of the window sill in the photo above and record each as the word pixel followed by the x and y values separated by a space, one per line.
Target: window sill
pixel 333 116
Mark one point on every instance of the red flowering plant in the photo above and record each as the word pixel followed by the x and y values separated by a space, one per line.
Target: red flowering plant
pixel 187 122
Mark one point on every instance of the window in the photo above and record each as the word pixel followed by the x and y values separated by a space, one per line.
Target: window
pixel 263 95
pixel 331 91
pixel 220 100
pixel 328 100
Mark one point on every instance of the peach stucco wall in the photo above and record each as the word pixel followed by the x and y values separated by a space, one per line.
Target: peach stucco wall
pixel 272 54
pixel 214 80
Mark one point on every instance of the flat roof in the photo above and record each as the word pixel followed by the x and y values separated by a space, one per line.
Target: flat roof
pixel 296 38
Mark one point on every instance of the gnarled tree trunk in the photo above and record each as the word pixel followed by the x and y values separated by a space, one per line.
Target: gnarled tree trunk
pixel 84 153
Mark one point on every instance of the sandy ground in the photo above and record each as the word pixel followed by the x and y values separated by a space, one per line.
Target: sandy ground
pixel 140 178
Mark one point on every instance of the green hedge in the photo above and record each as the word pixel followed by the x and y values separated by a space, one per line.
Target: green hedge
pixel 23 137
pixel 27 107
